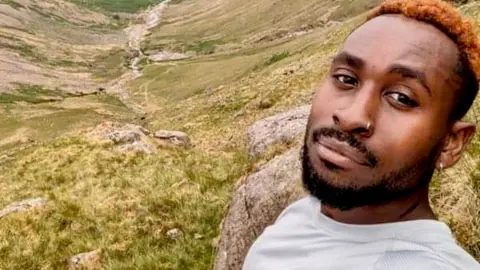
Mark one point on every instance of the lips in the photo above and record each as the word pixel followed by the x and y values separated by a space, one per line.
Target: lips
pixel 340 153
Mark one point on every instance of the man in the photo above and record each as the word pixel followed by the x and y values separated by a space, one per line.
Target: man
pixel 388 114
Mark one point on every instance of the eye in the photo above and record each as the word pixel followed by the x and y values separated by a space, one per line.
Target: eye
pixel 346 79
pixel 403 100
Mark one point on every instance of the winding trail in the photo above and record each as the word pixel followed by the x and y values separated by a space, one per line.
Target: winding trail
pixel 136 34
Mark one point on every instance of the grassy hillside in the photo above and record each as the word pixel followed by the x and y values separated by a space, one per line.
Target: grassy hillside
pixel 55 56
pixel 117 5
pixel 253 59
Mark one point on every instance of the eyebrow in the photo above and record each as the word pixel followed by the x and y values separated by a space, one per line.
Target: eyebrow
pixel 408 72
pixel 349 59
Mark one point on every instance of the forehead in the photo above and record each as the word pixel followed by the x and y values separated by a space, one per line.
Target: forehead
pixel 390 39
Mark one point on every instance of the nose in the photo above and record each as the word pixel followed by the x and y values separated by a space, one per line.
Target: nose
pixel 356 114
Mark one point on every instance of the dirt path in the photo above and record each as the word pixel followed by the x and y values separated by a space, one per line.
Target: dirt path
pixel 136 33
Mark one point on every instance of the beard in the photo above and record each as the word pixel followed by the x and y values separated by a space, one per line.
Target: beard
pixel 386 187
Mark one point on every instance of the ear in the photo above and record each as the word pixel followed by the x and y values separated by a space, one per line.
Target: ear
pixel 455 142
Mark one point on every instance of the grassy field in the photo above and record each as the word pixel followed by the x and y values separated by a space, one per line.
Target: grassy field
pixel 124 204
pixel 128 6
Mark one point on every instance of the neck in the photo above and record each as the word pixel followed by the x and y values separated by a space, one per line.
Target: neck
pixel 413 207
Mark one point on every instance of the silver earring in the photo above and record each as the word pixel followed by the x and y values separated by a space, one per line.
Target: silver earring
pixel 368 126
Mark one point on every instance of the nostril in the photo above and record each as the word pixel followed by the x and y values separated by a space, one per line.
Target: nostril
pixel 336 120
pixel 360 130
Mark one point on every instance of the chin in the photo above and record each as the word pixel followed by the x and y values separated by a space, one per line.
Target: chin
pixel 346 190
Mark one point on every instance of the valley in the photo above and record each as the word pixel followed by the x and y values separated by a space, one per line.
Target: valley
pixel 209 69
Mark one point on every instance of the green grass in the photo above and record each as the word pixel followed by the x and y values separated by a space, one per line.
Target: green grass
pixel 45 113
pixel 174 2
pixel 277 57
pixel 111 65
pixel 12 3
pixel 29 52
pixel 130 6
pixel 31 94
pixel 204 47
pixel 127 216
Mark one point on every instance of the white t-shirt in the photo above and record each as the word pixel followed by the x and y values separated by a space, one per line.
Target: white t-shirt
pixel 303 238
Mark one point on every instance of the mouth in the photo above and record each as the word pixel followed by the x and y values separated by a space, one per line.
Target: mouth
pixel 340 154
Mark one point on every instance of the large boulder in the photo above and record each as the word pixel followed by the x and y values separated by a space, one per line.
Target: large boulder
pixel 281 127
pixel 258 201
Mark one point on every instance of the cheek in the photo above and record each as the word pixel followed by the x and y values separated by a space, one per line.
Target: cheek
pixel 404 141
pixel 323 105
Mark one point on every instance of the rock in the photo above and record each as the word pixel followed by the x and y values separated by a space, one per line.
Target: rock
pixel 139 128
pixel 26 140
pixel 88 260
pixel 126 137
pixel 285 126
pixel 239 113
pixel 265 104
pixel 174 233
pixel 256 204
pixel 168 56
pixel 138 146
pixel 175 137
pixel 23 206
pixel 332 24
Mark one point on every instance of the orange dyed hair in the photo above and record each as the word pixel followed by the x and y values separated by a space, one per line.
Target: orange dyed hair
pixel 445 17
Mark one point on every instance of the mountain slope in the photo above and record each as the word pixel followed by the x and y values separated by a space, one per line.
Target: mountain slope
pixel 55 57
pixel 243 60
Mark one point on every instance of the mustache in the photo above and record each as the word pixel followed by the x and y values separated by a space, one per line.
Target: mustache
pixel 347 138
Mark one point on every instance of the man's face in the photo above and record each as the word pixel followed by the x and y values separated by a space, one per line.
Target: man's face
pixel 378 121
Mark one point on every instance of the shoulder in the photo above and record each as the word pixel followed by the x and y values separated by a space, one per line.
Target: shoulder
pixel 425 260
pixel 282 236
pixel 456 256
pixel 302 207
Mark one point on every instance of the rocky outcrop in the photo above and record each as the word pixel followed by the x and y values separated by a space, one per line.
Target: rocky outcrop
pixel 256 204
pixel 125 137
pixel 177 138
pixel 87 261
pixel 23 206
pixel 133 138
pixel 264 194
pixel 285 126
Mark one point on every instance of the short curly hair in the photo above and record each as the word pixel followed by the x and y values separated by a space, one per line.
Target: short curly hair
pixel 461 30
